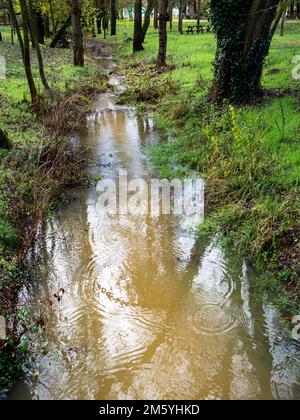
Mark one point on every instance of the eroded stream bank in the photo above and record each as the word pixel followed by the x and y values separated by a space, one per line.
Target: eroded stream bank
pixel 141 312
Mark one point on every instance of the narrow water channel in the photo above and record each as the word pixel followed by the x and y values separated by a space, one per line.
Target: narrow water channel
pixel 148 311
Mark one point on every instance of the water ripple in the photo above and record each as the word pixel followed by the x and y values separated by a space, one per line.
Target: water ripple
pixel 214 319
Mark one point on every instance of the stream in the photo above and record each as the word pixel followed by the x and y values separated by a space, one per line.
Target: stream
pixel 143 308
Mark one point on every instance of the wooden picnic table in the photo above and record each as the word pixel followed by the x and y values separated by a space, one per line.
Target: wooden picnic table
pixel 198 28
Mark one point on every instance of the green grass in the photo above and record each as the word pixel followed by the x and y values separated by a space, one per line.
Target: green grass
pixel 193 54
pixel 250 156
pixel 278 123
pixel 60 72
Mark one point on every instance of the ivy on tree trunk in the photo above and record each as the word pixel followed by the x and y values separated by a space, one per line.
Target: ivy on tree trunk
pixel 244 33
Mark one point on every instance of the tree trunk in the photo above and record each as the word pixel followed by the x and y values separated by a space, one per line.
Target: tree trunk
pixel 12 33
pixel 171 17
pixel 77 33
pixel 280 16
pixel 4 141
pixel 147 18
pixel 26 53
pixel 292 10
pixel 243 42
pixel 32 24
pixel 39 24
pixel 52 16
pixel 163 19
pixel 155 20
pixel 47 26
pixel 61 32
pixel 113 18
pixel 99 23
pixel 282 23
pixel 138 36
pixel 105 22
pixel 101 15
pixel 15 23
pixel 180 17
pixel 198 11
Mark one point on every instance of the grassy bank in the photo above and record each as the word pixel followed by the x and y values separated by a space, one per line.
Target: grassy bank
pixel 249 156
pixel 34 174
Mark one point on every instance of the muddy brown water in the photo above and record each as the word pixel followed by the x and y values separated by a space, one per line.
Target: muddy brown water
pixel 148 311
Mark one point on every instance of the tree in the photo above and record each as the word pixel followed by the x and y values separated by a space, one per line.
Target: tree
pixel 170 13
pixel 198 11
pixel 244 33
pixel 38 21
pixel 147 18
pixel 77 33
pixel 281 16
pixel 138 35
pixel 89 12
pixel 163 19
pixel 34 31
pixel 102 15
pixel 4 141
pixel 61 32
pixel 294 4
pixel 155 18
pixel 113 18
pixel 56 10
pixel 25 48
pixel 15 24
pixel 180 15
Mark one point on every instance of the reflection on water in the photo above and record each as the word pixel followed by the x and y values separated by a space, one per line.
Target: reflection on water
pixel 148 312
